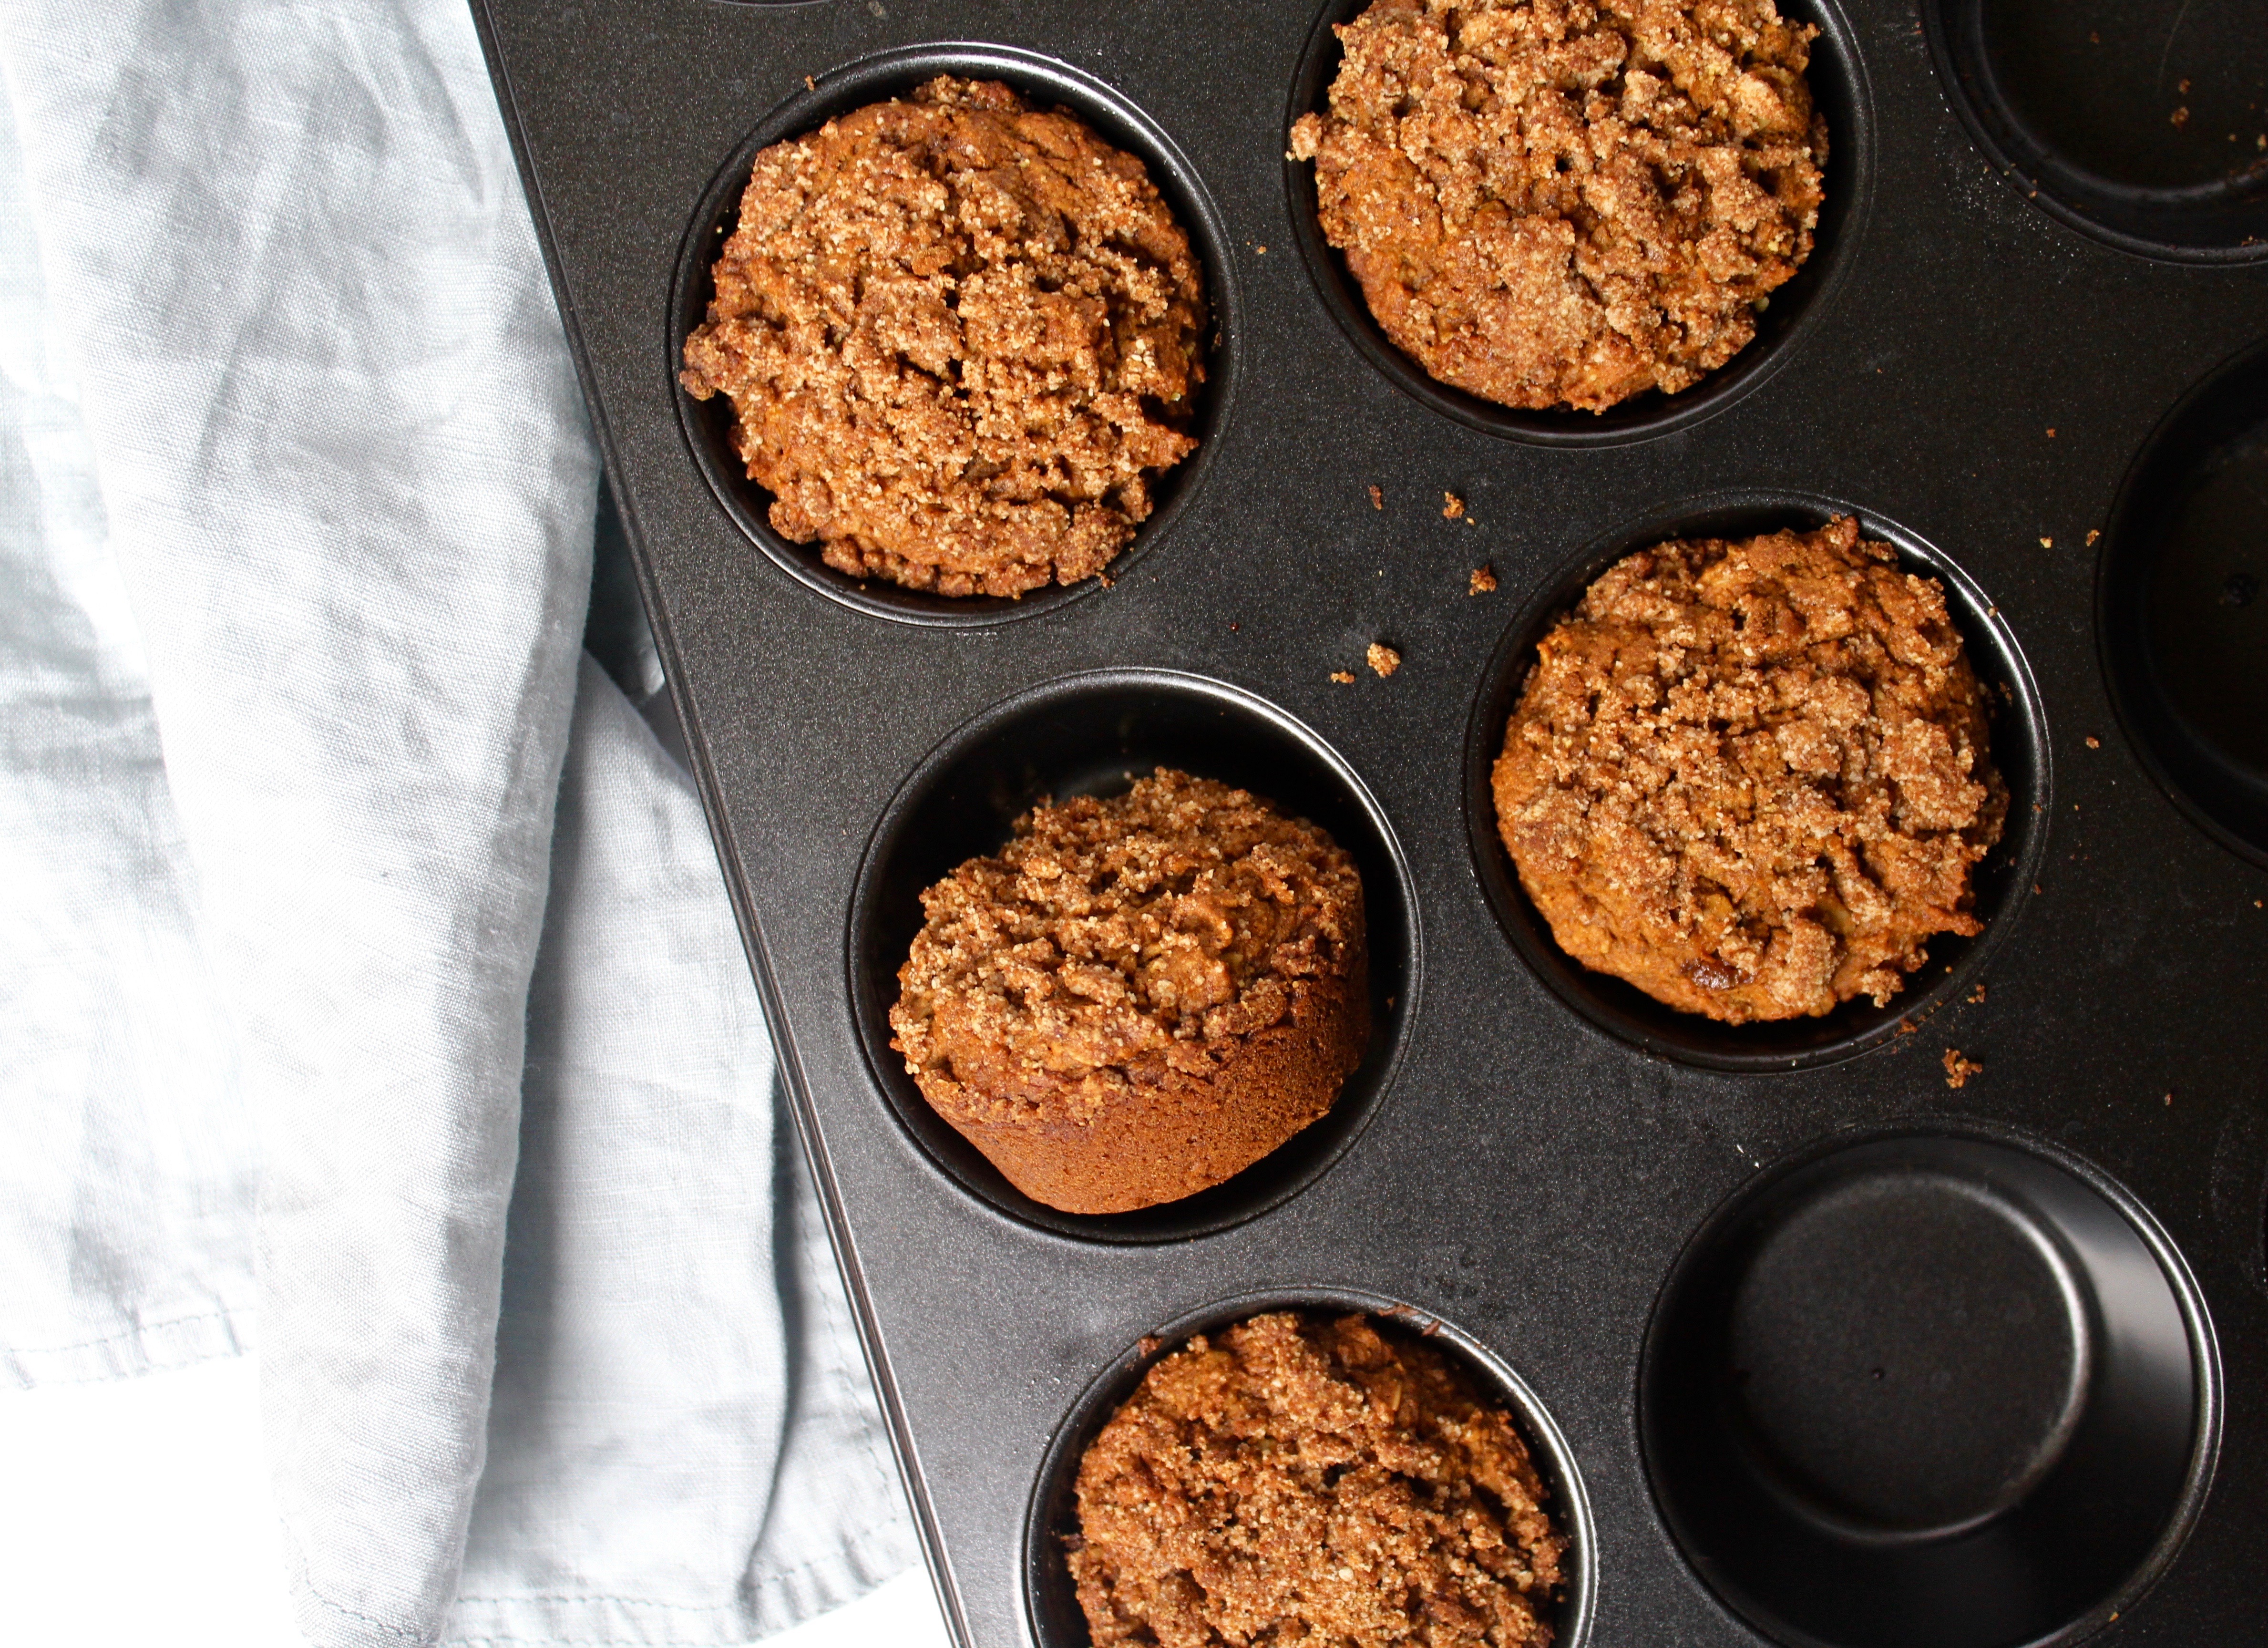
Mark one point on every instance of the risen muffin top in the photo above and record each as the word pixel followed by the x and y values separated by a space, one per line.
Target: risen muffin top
pixel 1561 203
pixel 960 336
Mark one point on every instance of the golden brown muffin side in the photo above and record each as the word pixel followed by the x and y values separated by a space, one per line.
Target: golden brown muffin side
pixel 1139 996
pixel 1753 777
pixel 1298 1479
pixel 1553 203
pixel 960 337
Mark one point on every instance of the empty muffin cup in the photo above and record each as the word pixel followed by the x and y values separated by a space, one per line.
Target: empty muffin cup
pixel 2141 123
pixel 1044 84
pixel 2182 614
pixel 1998 881
pixel 1839 90
pixel 1931 1387
pixel 1095 735
pixel 1052 1520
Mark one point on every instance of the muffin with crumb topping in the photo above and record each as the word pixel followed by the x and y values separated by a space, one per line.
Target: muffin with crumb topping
pixel 1139 996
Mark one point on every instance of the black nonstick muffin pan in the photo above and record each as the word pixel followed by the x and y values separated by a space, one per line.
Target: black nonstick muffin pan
pixel 1812 1347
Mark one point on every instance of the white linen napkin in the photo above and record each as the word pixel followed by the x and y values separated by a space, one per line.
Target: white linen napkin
pixel 342 494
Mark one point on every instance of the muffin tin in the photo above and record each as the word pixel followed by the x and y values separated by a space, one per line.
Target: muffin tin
pixel 1814 1347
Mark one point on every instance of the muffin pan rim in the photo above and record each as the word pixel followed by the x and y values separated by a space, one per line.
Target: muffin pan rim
pixel 2187 1294
pixel 869 1014
pixel 1851 175
pixel 878 76
pixel 1116 1381
pixel 1572 985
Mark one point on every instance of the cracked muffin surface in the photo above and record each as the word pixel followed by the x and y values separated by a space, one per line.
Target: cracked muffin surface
pixel 1140 995
pixel 1753 777
pixel 1564 203
pixel 960 338
pixel 1301 1479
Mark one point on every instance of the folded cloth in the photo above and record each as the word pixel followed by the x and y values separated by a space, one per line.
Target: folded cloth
pixel 291 862
pixel 638 1487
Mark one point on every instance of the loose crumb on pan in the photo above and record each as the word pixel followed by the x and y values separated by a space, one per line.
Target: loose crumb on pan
pixel 1297 1479
pixel 961 339
pixel 1377 498
pixel 1383 660
pixel 1452 506
pixel 1344 678
pixel 1752 778
pixel 1553 203
pixel 1484 581
pixel 1958 1070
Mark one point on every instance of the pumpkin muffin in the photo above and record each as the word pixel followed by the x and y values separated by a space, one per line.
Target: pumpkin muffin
pixel 961 339
pixel 1302 1480
pixel 1567 203
pixel 1140 996
pixel 1753 777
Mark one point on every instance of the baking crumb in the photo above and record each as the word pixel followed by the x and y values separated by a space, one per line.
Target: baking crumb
pixel 2047 543
pixel 1382 659
pixel 1958 1070
pixel 2094 39
pixel 809 84
pixel 1233 628
pixel 2181 116
pixel 2051 434
pixel 2169 1098
pixel 2181 86
pixel 1976 997
pixel 1261 250
pixel 1452 506
pixel 1344 678
pixel 1483 580
pixel 2092 534
pixel 1148 1345
pixel 1377 498
pixel 1909 1027
pixel 2039 891
pixel 2092 742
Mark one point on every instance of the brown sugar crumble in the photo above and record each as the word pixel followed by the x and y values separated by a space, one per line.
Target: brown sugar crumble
pixel 1140 996
pixel 1552 202
pixel 961 339
pixel 1484 581
pixel 1752 778
pixel 1296 1479
pixel 1958 1070
pixel 1383 660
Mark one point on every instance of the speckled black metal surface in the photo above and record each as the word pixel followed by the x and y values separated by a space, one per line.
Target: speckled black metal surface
pixel 1971 374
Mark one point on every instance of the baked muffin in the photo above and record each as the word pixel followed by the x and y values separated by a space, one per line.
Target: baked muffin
pixel 1140 996
pixel 1752 778
pixel 1567 203
pixel 1301 1479
pixel 960 338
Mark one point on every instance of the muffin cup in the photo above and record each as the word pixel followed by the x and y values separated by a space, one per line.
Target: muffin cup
pixel 2086 107
pixel 1945 1387
pixel 1050 1602
pixel 1046 82
pixel 2001 880
pixel 1839 87
pixel 2182 605
pixel 1093 735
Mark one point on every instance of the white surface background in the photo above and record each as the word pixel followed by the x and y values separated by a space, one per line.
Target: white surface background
pixel 135 1514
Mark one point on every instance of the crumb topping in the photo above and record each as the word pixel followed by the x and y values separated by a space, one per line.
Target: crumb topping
pixel 960 337
pixel 1752 778
pixel 1112 941
pixel 1555 203
pixel 1299 1480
